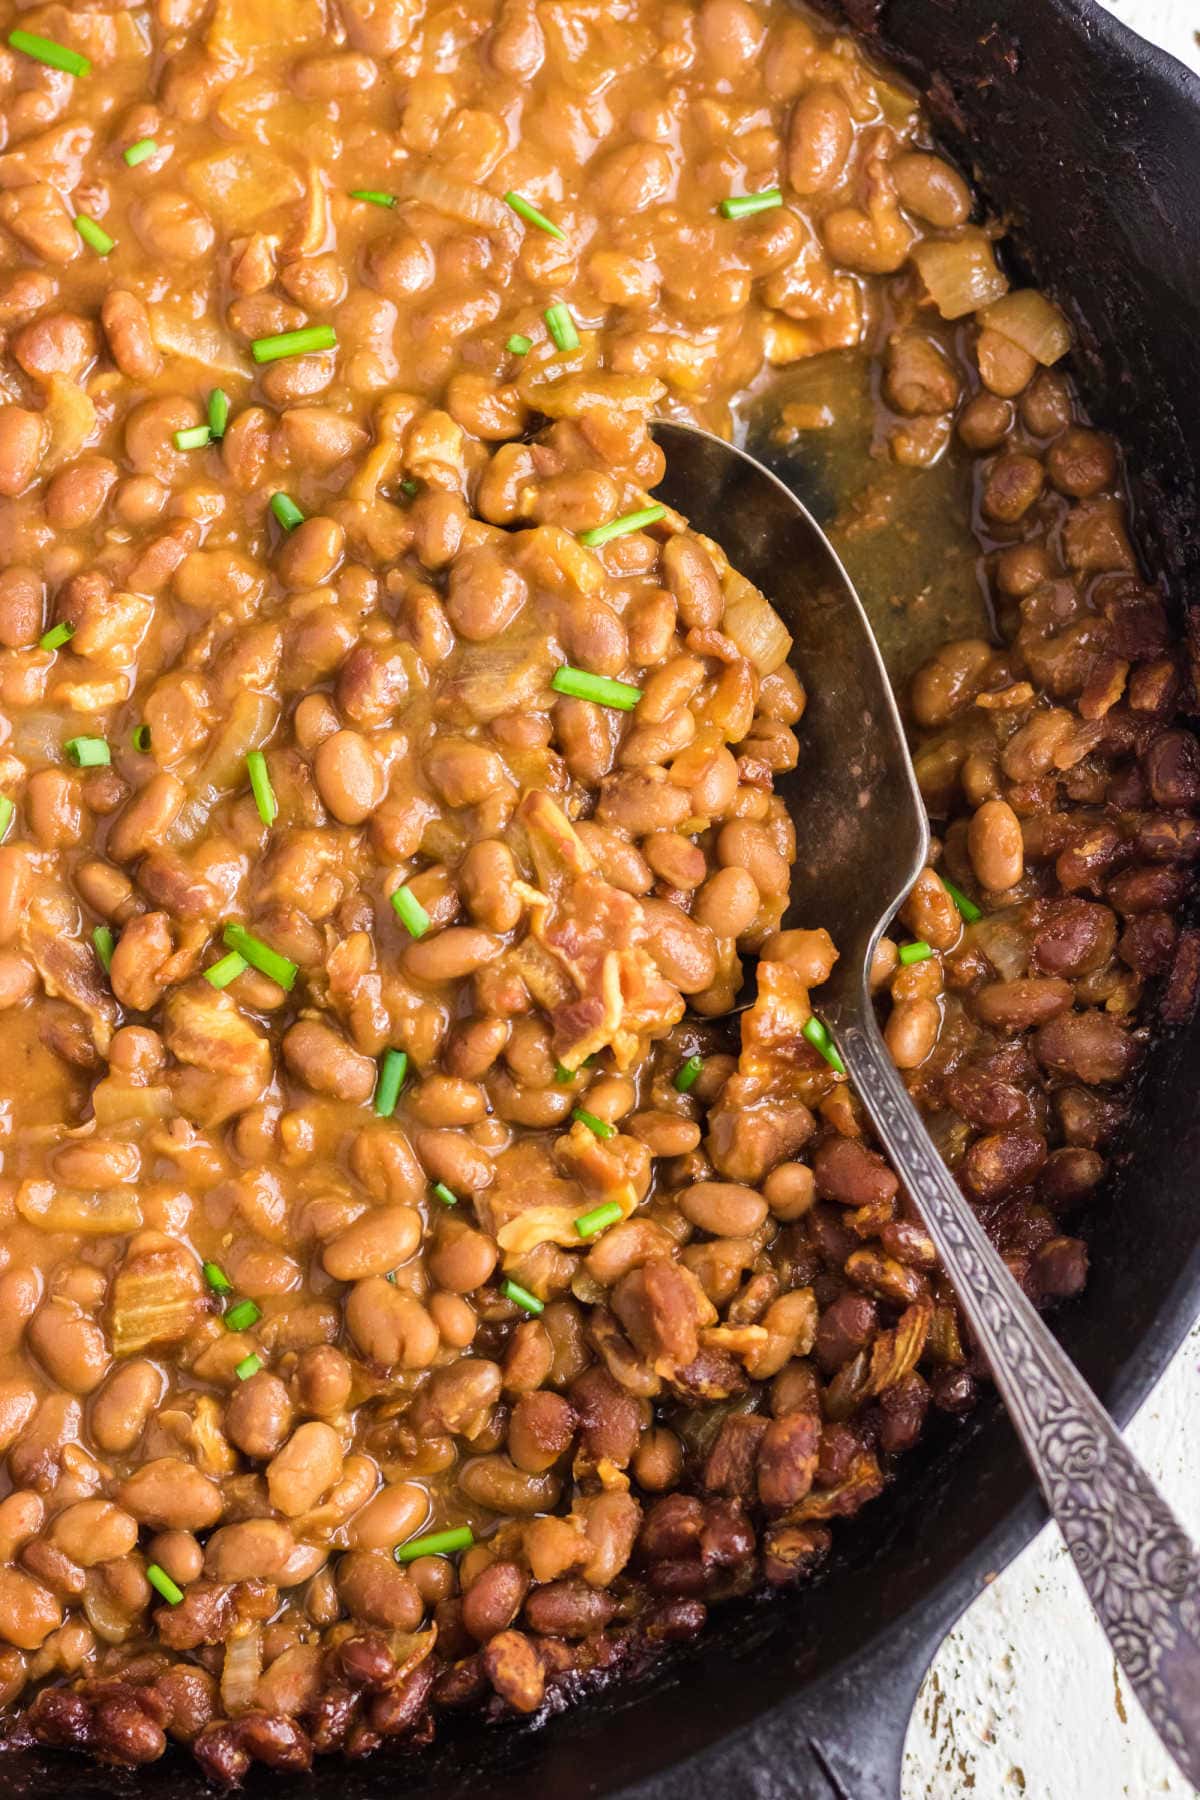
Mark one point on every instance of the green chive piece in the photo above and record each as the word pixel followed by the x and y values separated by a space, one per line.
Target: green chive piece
pixel 410 912
pixel 218 412
pixel 104 943
pixel 216 1278
pixel 686 1076
pixel 260 787
pixel 48 51
pixel 741 206
pixel 522 1297
pixel 964 903
pixel 140 152
pixel 601 689
pixel 93 235
pixel 561 326
pixel 818 1036
pixel 374 195
pixel 409 487
pixel 226 970
pixel 293 343
pixel 446 1195
pixel 563 1075
pixel 435 1543
pixel 519 344
pixel 600 1127
pixel 57 636
pixel 141 739
pixel 242 1316
pixel 161 1581
pixel 6 815
pixel 260 956
pixel 286 511
pixel 634 521
pixel 591 1224
pixel 392 1070
pixel 525 209
pixel 88 752
pixel 194 438
pixel 917 952
pixel 249 1365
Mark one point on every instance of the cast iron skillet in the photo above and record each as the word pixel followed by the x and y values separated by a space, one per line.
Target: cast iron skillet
pixel 1090 140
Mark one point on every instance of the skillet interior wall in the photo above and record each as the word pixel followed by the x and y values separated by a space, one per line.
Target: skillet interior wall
pixel 1108 229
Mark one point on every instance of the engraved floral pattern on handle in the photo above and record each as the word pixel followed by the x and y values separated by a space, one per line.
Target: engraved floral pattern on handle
pixel 1139 1568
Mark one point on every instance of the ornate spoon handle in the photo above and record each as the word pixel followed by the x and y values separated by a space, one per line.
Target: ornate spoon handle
pixel 1140 1570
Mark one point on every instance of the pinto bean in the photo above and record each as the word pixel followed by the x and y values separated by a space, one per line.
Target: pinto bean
pixel 995 845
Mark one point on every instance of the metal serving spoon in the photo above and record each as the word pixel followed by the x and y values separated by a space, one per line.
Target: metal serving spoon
pixel 863 838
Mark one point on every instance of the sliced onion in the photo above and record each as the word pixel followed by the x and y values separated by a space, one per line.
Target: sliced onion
pixel 241 1669
pixel 116 1102
pixel 754 625
pixel 960 273
pixel 1000 936
pixel 1027 318
pixel 461 199
pixel 70 420
pixel 48 1208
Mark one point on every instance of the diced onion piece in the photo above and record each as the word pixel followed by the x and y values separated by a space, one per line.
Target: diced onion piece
pixel 960 273
pixel 1001 939
pixel 115 1102
pixel 1028 319
pixel 70 418
pixel 754 625
pixel 241 1669
pixel 460 199
pixel 49 1208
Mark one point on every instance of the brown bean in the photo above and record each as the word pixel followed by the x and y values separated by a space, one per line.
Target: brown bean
pixel 450 955
pixel 494 1599
pixel 322 1059
pixel 494 1482
pixel 170 1494
pixel 348 777
pixel 723 1208
pixel 305 1468
pixel 389 1327
pixel 819 138
pixel 372 1588
pixel 995 845
pixel 377 1242
pixel 258 1415
pixel 1016 1005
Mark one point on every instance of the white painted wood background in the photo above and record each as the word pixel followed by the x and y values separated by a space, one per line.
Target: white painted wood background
pixel 1024 1697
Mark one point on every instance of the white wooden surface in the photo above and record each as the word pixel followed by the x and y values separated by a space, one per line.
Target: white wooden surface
pixel 1024 1697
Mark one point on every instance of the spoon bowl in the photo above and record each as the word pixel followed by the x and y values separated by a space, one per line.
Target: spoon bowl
pixel 862 839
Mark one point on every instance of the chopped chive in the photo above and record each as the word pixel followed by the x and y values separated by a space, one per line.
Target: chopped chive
pixel 392 1070
pixel 218 412
pixel 409 487
pixel 435 1543
pixel 526 210
pixel 140 152
pixel 260 787
pixel 602 689
pixel 376 196
pixel 563 1075
pixel 964 903
pixel 561 326
pixel 104 943
pixel 519 344
pixel 600 1127
pixel 88 752
pixel 249 1365
pixel 161 1581
pixel 260 956
pixel 686 1076
pixel 6 815
pixel 591 1224
pixel 917 952
pixel 194 438
pixel 57 636
pixel 521 1297
pixel 818 1036
pixel 93 235
pixel 141 739
pixel 242 1316
pixel 226 970
pixel 216 1278
pixel 48 51
pixel 634 521
pixel 444 1194
pixel 286 511
pixel 410 912
pixel 740 206
pixel 293 343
